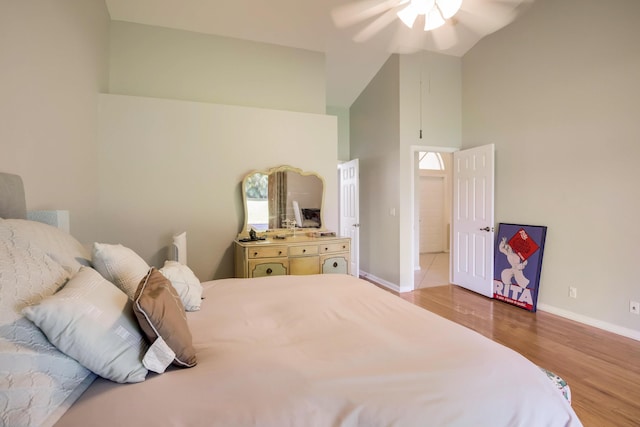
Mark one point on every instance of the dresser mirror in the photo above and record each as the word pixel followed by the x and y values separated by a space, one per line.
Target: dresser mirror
pixel 282 198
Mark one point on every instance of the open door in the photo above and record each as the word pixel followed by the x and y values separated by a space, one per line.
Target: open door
pixel 473 222
pixel 350 210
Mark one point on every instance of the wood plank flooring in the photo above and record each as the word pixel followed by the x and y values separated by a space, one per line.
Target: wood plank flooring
pixel 601 368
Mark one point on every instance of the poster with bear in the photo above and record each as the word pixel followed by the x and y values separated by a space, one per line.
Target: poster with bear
pixel 518 263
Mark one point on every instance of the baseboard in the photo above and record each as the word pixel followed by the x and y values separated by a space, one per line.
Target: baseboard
pixel 609 327
pixel 392 286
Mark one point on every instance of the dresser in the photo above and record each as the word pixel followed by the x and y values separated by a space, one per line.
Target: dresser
pixel 301 254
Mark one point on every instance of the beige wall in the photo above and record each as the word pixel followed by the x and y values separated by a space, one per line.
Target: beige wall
pixel 175 64
pixel 136 170
pixel 53 64
pixel 375 127
pixel 168 166
pixel 203 149
pixel 386 120
pixel 557 93
pixel 343 131
pixel 431 101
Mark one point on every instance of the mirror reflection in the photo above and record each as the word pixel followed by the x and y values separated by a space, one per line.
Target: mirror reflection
pixel 277 198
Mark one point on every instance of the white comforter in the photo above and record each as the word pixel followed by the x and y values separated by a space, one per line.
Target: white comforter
pixel 329 350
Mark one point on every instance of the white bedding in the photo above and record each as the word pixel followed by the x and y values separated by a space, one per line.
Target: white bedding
pixel 328 350
pixel 37 382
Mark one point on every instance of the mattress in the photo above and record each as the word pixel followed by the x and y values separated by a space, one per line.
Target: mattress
pixel 328 350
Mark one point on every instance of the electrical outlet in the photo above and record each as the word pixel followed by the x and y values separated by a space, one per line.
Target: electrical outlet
pixel 573 292
pixel 634 307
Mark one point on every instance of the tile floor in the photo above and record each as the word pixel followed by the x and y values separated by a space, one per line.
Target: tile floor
pixel 434 270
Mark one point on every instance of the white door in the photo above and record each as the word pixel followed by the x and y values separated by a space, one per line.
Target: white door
pixel 350 210
pixel 473 198
pixel 431 214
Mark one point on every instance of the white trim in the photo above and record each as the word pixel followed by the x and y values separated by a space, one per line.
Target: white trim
pixel 392 286
pixel 609 327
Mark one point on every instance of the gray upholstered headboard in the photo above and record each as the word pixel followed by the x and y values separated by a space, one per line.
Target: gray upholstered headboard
pixel 12 201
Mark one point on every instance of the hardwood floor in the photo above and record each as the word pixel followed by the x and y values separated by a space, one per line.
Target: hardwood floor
pixel 601 368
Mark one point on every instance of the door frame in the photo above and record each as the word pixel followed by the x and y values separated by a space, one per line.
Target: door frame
pixel 415 224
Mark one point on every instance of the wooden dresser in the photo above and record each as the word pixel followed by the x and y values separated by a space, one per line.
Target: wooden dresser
pixel 300 254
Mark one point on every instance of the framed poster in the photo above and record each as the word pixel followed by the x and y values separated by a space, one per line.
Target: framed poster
pixel 518 263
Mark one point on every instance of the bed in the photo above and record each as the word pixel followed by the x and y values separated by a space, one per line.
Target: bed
pixel 319 350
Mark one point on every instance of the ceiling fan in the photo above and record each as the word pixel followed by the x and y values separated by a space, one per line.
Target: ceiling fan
pixel 440 19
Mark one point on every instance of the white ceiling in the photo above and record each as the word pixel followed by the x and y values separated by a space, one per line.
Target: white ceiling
pixel 334 27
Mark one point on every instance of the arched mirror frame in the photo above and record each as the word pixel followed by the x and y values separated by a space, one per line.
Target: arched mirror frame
pixel 279 230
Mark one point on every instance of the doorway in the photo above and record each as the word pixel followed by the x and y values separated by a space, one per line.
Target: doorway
pixel 432 197
pixel 471 232
pixel 432 213
pixel 349 183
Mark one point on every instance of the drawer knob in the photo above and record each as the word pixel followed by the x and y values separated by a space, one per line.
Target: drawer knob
pixel 326 249
pixel 269 271
pixel 335 265
pixel 279 252
pixel 304 250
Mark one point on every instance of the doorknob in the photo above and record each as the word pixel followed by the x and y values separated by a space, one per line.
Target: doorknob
pixel 356 225
pixel 486 229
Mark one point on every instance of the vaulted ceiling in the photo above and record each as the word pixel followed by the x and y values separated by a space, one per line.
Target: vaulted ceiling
pixel 356 36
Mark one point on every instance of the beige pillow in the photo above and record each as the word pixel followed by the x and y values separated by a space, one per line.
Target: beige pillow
pixel 161 316
pixel 119 265
pixel 186 284
pixel 61 246
pixel 91 320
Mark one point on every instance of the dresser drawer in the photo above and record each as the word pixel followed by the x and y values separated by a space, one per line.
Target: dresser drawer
pixel 268 267
pixel 267 252
pixel 303 250
pixel 304 265
pixel 336 264
pixel 301 254
pixel 334 247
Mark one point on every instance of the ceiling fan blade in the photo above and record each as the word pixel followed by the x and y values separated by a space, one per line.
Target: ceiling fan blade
pixel 408 15
pixel 353 13
pixel 372 17
pixel 375 26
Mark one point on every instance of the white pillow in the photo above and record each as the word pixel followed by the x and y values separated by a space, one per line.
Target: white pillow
pixel 185 283
pixel 92 321
pixel 120 266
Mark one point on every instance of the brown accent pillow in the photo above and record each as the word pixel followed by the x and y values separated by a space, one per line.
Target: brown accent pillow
pixel 160 313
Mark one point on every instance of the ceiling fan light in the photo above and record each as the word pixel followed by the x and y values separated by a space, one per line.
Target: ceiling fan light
pixel 449 7
pixel 408 15
pixel 435 12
